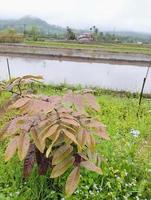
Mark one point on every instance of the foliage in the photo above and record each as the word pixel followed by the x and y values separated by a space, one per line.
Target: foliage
pixel 126 173
pixel 45 29
pixel 56 132
pixel 70 34
pixel 25 23
pixel 97 36
pixel 34 32
pixel 10 36
pixel 2 86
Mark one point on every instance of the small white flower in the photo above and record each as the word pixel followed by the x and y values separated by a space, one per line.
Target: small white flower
pixel 91 192
pixel 95 186
pixel 87 187
pixel 17 192
pixel 135 133
pixel 126 173
pixel 125 197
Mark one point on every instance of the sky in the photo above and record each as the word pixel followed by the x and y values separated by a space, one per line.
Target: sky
pixel 114 15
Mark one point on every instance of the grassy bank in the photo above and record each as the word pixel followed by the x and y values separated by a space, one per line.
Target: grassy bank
pixel 109 47
pixel 126 166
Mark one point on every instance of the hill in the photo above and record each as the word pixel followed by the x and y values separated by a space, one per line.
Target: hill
pixel 27 22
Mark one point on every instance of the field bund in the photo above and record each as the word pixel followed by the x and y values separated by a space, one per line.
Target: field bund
pixel 75 54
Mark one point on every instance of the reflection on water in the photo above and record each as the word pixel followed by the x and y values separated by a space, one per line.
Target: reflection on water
pixel 116 77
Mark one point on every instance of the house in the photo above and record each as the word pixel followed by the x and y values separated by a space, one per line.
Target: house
pixel 139 42
pixel 85 38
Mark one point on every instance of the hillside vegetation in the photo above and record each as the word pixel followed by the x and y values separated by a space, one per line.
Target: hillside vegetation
pixel 28 22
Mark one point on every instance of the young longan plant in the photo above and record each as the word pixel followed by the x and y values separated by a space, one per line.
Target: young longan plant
pixel 56 132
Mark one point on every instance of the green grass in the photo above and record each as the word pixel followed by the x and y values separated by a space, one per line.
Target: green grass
pixel 124 48
pixel 126 166
pixel 4 97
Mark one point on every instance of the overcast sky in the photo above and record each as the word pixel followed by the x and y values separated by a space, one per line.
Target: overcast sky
pixel 132 15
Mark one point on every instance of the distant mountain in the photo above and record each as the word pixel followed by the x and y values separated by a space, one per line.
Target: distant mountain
pixel 27 22
pixel 133 35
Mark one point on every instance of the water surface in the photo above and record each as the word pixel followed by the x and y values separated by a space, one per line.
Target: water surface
pixel 107 76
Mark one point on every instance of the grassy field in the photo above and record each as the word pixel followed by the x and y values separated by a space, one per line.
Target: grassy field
pixel 126 166
pixel 123 48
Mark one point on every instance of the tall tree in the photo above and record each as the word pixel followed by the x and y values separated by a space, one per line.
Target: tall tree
pixel 70 34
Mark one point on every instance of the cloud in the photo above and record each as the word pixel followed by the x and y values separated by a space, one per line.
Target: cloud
pixel 132 15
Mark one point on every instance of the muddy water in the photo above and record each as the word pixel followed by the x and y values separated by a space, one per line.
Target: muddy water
pixel 107 76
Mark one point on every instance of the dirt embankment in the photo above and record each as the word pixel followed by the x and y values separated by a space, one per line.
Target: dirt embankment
pixel 75 54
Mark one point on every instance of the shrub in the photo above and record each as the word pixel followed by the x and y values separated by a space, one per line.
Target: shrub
pixel 10 36
pixel 56 132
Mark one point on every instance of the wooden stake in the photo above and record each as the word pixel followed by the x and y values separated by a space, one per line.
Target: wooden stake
pixel 8 67
pixel 143 85
pixel 142 90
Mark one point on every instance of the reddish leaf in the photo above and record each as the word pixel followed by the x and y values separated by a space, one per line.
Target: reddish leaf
pixel 90 166
pixel 71 137
pixel 11 148
pixel 50 132
pixel 43 162
pixel 91 101
pixel 81 139
pixel 89 140
pixel 39 144
pixel 61 153
pixel 29 161
pixel 20 102
pixel 102 133
pixel 21 123
pixel 36 106
pixel 62 167
pixel 53 142
pixel 70 122
pixel 72 181
pixel 23 145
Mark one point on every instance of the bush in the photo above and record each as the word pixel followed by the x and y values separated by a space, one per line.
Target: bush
pixel 56 132
pixel 10 36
